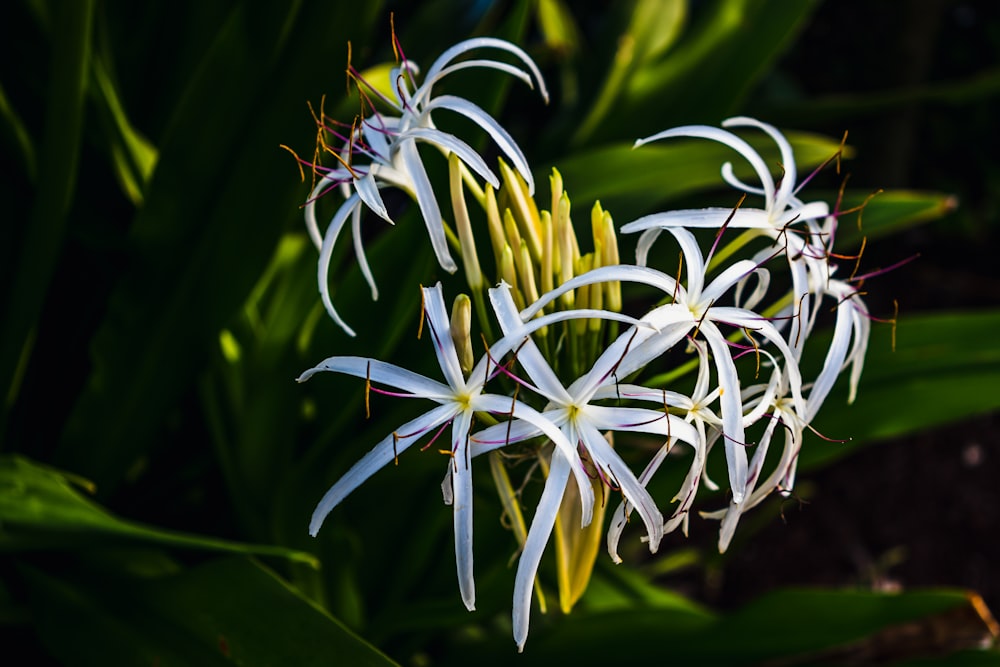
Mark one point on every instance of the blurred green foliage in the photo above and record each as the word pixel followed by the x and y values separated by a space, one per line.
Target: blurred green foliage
pixel 158 300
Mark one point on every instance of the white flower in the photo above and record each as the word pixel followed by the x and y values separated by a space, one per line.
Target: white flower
pixel 694 310
pixel 457 400
pixel 382 151
pixel 805 248
pixel 583 423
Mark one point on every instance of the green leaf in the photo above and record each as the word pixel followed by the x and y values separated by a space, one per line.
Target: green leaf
pixel 229 611
pixel 790 627
pixel 214 212
pixel 15 137
pixel 133 157
pixel 57 160
pixel 890 212
pixel 706 75
pixel 41 508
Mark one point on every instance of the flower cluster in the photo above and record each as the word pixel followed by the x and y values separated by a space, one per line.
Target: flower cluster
pixel 568 368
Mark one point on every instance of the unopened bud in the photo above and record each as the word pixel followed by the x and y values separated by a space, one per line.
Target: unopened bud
pixel 461 332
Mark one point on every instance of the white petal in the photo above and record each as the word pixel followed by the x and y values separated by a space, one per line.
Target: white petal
pixel 728 278
pixel 439 325
pixel 607 459
pixel 359 252
pixel 723 137
pixel 462 506
pixel 734 437
pixel 787 187
pixel 534 545
pixel 410 159
pixel 499 135
pixel 624 272
pixel 368 190
pixel 383 373
pixel 481 43
pixel 325 255
pixel 450 143
pixel 384 452
pixel 519 410
pixel 742 218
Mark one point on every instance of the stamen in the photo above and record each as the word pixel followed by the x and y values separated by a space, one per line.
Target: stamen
pixel 298 161
pixel 420 327
pixel 756 348
pixel 368 389
pixel 724 227
pixel 677 280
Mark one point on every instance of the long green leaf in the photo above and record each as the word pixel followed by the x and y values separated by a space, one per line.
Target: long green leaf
pixel 41 508
pixel 230 611
pixel 214 212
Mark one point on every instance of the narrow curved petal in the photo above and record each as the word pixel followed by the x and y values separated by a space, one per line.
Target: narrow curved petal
pixel 384 452
pixel 787 187
pixel 622 273
pixel 723 137
pixel 449 142
pixel 359 252
pixel 519 410
pixel 607 459
pixel 367 189
pixel 733 436
pixel 489 124
pixel 383 373
pixel 528 354
pixel 440 330
pixel 326 254
pixel 728 279
pixel 756 323
pixel 714 218
pixel 480 43
pixel 427 202
pixel 461 480
pixel 534 545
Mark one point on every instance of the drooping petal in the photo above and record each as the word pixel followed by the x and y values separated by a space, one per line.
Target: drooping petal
pixel 384 452
pixel 496 131
pixel 519 410
pixel 608 460
pixel 429 209
pixel 723 137
pixel 733 434
pixel 451 143
pixel 478 43
pixel 461 479
pixel 326 254
pixel 787 187
pixel 369 192
pixel 359 252
pixel 538 536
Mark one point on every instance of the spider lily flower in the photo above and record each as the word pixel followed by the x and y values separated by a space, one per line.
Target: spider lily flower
pixel 699 415
pixel 805 249
pixel 458 398
pixel 382 152
pixel 694 310
pixel 571 409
